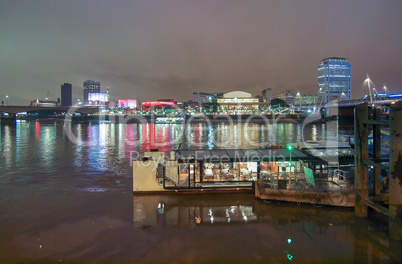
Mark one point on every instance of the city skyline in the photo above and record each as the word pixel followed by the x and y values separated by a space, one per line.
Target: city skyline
pixel 170 49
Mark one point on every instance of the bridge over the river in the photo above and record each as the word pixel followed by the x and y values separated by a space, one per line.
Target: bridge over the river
pixel 12 110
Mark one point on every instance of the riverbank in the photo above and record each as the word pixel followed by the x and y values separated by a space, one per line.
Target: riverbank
pixel 135 119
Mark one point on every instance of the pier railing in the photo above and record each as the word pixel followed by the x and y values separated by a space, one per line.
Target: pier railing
pixel 332 183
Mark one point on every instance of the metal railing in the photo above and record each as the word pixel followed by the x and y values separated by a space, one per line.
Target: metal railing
pixel 334 182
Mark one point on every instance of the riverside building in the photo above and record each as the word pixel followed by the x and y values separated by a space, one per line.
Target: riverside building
pixel 91 86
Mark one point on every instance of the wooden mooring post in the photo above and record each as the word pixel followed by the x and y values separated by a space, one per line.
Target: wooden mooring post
pixel 361 154
pixel 395 183
pixel 362 163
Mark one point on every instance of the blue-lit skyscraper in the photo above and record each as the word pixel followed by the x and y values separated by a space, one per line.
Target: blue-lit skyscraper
pixel 334 80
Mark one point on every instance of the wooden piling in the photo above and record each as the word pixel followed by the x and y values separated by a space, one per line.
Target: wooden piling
pixel 377 152
pixel 361 154
pixel 395 183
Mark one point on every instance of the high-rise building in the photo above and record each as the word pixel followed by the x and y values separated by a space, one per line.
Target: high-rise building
pixel 90 87
pixel 66 94
pixel 287 96
pixel 305 99
pixel 267 95
pixel 334 80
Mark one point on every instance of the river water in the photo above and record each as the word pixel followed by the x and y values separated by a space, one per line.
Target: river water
pixel 66 196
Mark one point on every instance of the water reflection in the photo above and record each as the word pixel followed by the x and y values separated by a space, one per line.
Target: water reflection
pixel 184 212
pixel 92 144
pixel 233 225
pixel 75 199
pixel 47 141
pixel 314 132
pixel 7 145
pixel 22 144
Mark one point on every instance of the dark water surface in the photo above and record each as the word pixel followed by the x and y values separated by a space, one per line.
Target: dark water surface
pixel 70 200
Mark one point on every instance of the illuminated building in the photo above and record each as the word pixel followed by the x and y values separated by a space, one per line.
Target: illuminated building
pixel 127 103
pixel 108 93
pixel 201 97
pixel 91 87
pixel 238 102
pixel 287 96
pixel 97 98
pixel 151 105
pixel 334 80
pixel 305 99
pixel 267 95
pixel 66 94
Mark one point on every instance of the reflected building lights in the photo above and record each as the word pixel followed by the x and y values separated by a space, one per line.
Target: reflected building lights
pixel 7 147
pixel 161 208
pixel 47 146
pixel 244 216
pixel 37 130
pixel 314 133
pixel 315 228
pixel 189 137
pixel 22 142
pixel 235 135
pixel 227 215
pixel 130 142
pixel 211 217
pixel 103 135
pixel 78 152
pixel 211 140
pixel 263 142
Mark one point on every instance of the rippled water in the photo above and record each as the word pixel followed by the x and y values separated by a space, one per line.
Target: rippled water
pixel 68 198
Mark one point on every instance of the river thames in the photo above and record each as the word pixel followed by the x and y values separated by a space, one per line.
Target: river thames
pixel 66 196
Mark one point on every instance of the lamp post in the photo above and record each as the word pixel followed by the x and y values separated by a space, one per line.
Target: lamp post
pixel 290 147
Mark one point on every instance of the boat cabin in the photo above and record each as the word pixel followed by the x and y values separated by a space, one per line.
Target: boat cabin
pixel 214 169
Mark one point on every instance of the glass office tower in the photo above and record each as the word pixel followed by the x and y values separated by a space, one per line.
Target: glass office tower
pixel 334 80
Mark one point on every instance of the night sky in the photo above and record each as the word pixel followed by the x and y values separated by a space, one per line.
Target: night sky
pixel 157 49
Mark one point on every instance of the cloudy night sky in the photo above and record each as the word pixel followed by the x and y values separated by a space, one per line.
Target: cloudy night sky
pixel 159 49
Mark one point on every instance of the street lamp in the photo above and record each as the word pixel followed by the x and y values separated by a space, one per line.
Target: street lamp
pixel 290 147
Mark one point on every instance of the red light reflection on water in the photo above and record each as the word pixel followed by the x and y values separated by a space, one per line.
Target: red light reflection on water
pixel 156 137
pixel 131 140
pixel 37 130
